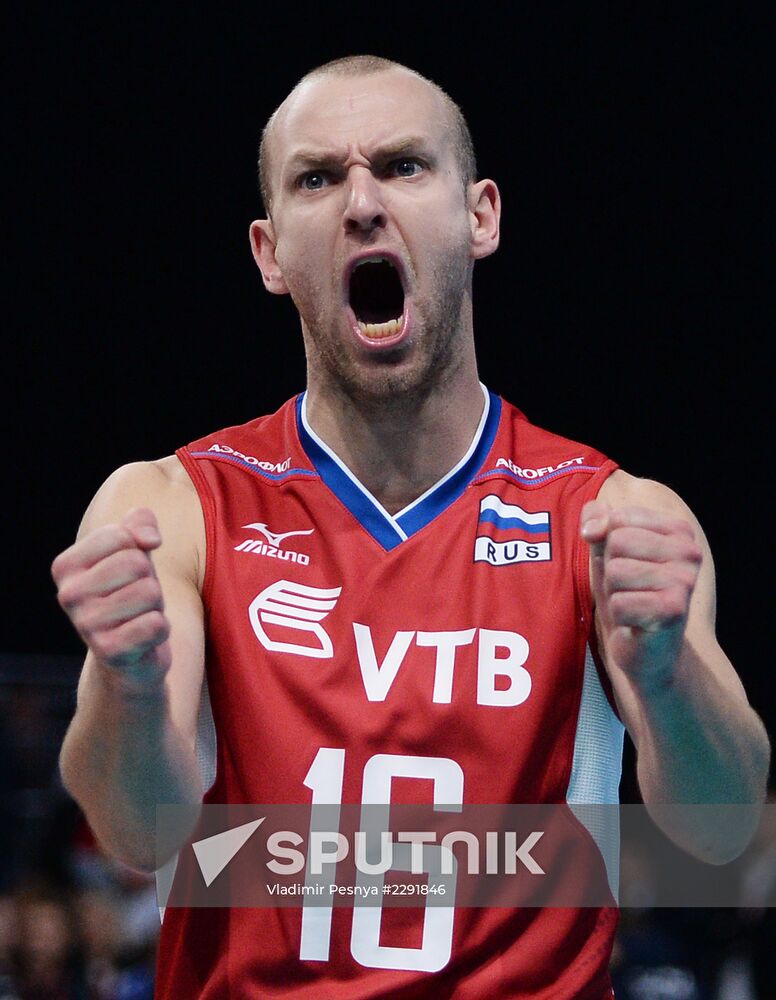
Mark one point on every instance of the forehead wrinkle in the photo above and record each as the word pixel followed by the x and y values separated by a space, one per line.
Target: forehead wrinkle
pixel 311 155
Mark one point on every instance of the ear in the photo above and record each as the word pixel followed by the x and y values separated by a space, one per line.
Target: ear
pixel 263 243
pixel 484 204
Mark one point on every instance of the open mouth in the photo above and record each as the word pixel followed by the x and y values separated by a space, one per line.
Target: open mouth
pixel 377 298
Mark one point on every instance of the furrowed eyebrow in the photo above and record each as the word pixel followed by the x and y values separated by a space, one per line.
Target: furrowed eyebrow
pixel 413 144
pixel 407 150
pixel 310 159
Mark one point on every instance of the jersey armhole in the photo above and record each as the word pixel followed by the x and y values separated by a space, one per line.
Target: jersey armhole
pixel 603 673
pixel 207 750
pixel 208 506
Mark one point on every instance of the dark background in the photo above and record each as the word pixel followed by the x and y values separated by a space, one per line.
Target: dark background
pixel 630 305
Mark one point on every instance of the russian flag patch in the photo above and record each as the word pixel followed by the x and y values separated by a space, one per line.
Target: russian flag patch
pixel 507 534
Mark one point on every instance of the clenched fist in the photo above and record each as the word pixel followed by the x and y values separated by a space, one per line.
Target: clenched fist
pixel 108 588
pixel 644 567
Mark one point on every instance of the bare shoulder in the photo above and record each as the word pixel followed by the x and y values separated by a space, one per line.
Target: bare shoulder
pixel 164 487
pixel 621 489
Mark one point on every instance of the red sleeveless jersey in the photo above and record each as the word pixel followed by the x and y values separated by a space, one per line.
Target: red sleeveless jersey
pixel 347 648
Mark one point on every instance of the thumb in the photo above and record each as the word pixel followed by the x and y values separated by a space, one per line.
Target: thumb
pixel 594 529
pixel 141 523
pixel 594 523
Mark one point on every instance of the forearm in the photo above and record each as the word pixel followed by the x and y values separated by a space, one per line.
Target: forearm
pixel 122 756
pixel 699 742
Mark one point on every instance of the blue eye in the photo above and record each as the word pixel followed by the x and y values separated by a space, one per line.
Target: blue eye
pixel 407 167
pixel 313 181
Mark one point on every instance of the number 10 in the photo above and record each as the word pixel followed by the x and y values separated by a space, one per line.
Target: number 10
pixel 325 778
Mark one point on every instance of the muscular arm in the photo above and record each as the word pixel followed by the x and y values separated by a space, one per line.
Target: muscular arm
pixel 130 586
pixel 697 738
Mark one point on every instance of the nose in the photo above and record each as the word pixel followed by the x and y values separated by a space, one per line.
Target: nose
pixel 364 209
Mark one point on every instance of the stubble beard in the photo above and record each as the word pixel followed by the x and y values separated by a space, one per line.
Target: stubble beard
pixel 406 377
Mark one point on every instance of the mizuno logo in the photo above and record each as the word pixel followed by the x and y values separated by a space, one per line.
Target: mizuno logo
pixel 273 547
pixel 271 537
pixel 290 609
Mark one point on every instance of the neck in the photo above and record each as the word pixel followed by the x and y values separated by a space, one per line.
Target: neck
pixel 399 447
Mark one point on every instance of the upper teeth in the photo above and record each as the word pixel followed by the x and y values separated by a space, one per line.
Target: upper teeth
pixel 373 260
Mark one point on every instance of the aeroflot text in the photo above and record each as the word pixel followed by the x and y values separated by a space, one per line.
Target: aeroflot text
pixel 224 449
pixel 536 473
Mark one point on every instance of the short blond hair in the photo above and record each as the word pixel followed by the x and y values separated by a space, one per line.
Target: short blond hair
pixel 365 65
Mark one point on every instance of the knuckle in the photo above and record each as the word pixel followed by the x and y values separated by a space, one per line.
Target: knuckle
pixel 615 544
pixel 159 625
pixel 136 563
pixel 619 609
pixel 623 540
pixel 93 613
pixel 70 560
pixel 617 601
pixel 102 644
pixel 112 540
pixel 151 630
pixel 617 572
pixel 59 567
pixel 620 517
pixel 682 527
pixel 151 591
pixel 144 596
pixel 616 564
pixel 695 554
pixel 675 603
pixel 113 533
pixel 680 578
pixel 84 621
pixel 66 595
pixel 121 645
pixel 70 594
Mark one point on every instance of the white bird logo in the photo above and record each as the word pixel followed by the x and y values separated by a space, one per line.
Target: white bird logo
pixel 271 537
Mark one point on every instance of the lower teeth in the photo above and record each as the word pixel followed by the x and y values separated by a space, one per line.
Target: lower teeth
pixel 379 331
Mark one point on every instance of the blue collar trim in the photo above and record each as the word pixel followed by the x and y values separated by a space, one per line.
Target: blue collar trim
pixel 386 529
